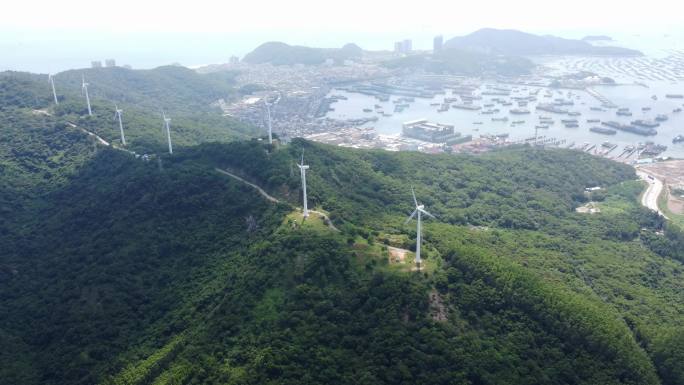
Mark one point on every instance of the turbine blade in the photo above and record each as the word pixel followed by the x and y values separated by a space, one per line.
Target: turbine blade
pixel 414 196
pixel 427 213
pixel 413 214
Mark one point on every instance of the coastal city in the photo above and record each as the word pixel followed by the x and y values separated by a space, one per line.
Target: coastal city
pixel 360 103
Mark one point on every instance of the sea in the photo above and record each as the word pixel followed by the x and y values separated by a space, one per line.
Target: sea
pixel 643 82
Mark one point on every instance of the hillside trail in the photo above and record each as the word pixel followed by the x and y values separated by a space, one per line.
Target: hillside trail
pixel 273 199
pixel 261 191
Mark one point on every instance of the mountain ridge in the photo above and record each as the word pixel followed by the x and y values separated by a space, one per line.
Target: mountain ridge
pixel 514 42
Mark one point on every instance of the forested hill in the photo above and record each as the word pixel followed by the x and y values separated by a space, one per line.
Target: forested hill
pixel 128 272
pixel 185 96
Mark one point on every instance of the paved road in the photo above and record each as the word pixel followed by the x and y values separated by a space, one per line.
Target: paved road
pixel 650 197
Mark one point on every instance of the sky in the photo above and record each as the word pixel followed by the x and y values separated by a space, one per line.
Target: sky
pixel 49 36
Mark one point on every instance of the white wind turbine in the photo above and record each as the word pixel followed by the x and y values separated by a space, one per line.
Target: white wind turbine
pixel 117 114
pixel 268 117
pixel 302 169
pixel 52 84
pixel 168 131
pixel 84 91
pixel 420 209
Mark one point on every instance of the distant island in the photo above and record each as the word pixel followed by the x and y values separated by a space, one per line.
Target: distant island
pixel 597 38
pixel 279 53
pixel 517 43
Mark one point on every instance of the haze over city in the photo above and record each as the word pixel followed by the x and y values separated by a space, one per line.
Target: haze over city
pixel 52 36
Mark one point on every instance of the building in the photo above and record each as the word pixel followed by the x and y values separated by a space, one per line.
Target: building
pixel 329 62
pixel 96 64
pixel 430 132
pixel 437 43
pixel 404 46
pixel 110 63
pixel 407 46
pixel 234 60
pixel 398 47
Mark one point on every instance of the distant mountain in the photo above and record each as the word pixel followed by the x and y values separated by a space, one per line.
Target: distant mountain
pixel 597 38
pixel 278 53
pixel 463 62
pixel 512 42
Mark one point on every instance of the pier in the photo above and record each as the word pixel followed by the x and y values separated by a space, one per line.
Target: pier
pixel 604 100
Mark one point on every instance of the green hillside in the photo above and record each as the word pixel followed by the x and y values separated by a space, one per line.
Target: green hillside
pixel 120 270
pixel 187 97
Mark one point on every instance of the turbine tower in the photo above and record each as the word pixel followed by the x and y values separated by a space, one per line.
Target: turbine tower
pixel 84 91
pixel 420 209
pixel 268 116
pixel 117 114
pixel 302 169
pixel 52 84
pixel 168 131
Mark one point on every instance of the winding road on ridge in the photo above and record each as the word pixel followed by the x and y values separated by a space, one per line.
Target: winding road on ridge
pixel 650 197
pixel 273 199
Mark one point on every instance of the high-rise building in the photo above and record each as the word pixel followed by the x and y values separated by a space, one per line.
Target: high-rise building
pixel 404 46
pixel 437 43
pixel 398 47
pixel 407 45
pixel 110 63
pixel 96 64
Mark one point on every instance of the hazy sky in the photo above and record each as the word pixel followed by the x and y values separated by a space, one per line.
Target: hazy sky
pixel 53 35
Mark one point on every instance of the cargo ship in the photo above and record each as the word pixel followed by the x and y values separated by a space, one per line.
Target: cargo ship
pixel 603 130
pixel 639 130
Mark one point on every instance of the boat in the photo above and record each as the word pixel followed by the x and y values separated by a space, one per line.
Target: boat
pixel 593 120
pixel 477 122
pixel 569 121
pixel 645 108
pixel 676 110
pixel 519 111
pixel 574 113
pixel 661 118
pixel 654 97
pixel 639 130
pixel 571 125
pixel 597 109
pixel 542 126
pixel 674 96
pixel 367 110
pixel 603 130
pixel 623 112
pixel 645 123
pixel 518 122
pixel 504 119
pixel 678 139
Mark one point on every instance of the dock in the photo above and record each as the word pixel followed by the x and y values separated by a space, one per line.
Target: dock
pixel 604 100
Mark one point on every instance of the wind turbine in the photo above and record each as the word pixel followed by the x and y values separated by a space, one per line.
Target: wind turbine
pixel 268 116
pixel 302 169
pixel 84 91
pixel 117 114
pixel 52 83
pixel 168 131
pixel 420 209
